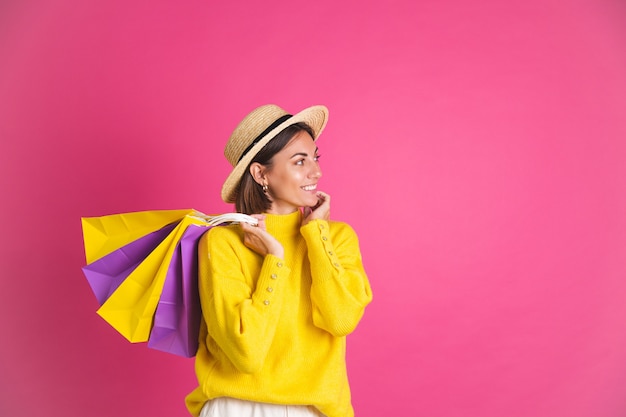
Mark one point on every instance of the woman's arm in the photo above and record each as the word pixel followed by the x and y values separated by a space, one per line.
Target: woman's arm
pixel 241 317
pixel 340 289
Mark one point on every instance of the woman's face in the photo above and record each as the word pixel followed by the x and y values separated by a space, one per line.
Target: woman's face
pixel 292 179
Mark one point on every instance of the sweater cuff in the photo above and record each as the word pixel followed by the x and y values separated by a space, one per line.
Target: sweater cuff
pixel 273 272
pixel 316 233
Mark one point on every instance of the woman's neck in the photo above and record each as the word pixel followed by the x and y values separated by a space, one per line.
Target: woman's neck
pixel 283 224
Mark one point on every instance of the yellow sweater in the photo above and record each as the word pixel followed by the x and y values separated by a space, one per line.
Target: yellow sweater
pixel 273 330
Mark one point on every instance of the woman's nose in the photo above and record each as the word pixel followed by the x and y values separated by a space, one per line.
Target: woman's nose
pixel 315 172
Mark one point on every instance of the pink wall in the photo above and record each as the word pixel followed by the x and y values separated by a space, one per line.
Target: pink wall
pixel 477 147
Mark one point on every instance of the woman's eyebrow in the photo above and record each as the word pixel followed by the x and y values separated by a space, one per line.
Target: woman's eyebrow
pixel 304 153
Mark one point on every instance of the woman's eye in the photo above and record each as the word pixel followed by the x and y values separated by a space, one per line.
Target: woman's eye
pixel 317 158
pixel 300 162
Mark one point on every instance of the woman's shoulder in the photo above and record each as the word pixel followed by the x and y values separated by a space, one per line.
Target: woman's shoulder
pixel 338 224
pixel 338 227
pixel 228 234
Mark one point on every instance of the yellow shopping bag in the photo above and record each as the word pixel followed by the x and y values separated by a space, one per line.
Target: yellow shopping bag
pixel 103 235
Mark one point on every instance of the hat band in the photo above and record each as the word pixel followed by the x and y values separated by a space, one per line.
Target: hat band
pixel 264 133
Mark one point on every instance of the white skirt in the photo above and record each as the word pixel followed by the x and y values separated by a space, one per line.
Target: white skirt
pixel 233 407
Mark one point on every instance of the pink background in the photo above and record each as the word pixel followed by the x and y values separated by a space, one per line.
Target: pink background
pixel 478 148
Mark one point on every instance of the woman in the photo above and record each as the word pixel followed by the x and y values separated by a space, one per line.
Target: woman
pixel 278 298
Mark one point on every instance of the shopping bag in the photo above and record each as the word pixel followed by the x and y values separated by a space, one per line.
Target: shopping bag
pixel 103 235
pixel 177 317
pixel 131 307
pixel 131 257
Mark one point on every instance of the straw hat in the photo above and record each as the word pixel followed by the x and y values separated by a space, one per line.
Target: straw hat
pixel 256 130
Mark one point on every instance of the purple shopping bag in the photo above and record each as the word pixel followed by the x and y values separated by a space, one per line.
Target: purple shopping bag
pixel 177 317
pixel 107 273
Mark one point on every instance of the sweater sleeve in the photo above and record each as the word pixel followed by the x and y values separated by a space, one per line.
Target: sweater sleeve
pixel 240 304
pixel 340 289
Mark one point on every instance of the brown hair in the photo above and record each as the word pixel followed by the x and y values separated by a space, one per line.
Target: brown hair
pixel 249 195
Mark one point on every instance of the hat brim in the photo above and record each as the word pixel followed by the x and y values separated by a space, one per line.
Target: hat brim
pixel 315 117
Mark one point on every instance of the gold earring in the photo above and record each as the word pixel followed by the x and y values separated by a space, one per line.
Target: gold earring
pixel 265 188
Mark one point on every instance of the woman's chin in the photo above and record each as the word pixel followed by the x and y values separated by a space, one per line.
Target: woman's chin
pixel 311 202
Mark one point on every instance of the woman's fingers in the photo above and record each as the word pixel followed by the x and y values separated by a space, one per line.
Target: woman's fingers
pixel 320 212
pixel 259 240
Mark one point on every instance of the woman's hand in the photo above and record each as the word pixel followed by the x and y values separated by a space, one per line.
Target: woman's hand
pixel 321 211
pixel 259 240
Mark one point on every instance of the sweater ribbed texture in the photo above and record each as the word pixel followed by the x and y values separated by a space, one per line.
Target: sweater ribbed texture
pixel 273 330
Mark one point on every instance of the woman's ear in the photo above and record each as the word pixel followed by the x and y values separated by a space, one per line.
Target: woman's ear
pixel 258 173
